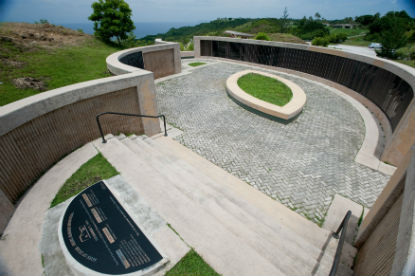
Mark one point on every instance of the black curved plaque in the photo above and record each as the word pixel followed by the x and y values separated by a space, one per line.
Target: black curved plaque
pixel 100 235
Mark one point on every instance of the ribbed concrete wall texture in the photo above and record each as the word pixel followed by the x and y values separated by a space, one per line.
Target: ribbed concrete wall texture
pixel 30 149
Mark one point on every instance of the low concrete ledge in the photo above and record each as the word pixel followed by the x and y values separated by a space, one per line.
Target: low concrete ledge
pixel 286 112
pixel 187 54
pixel 116 67
pixel 22 111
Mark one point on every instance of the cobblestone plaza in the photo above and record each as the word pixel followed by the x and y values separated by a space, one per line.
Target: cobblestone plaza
pixel 302 164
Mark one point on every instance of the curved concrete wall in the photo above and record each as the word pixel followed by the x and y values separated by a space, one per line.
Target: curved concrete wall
pixel 162 59
pixel 37 131
pixel 388 85
pixel 386 237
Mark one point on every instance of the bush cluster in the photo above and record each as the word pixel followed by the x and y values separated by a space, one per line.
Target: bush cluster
pixel 262 36
pixel 321 41
pixel 406 53
pixel 326 40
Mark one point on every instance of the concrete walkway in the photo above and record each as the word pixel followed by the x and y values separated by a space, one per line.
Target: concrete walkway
pixel 19 246
pixel 235 228
pixel 302 164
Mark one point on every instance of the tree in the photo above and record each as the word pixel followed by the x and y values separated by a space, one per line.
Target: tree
pixel 317 15
pixel 308 29
pixel 284 21
pixel 112 19
pixel 392 34
pixel 367 19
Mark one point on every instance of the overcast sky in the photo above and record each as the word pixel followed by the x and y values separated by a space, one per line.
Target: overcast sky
pixel 77 11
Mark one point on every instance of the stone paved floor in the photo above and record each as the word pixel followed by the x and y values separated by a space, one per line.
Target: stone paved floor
pixel 303 164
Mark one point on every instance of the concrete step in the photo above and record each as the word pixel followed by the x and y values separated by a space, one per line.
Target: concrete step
pixel 298 224
pixel 262 234
pixel 220 248
pixel 185 188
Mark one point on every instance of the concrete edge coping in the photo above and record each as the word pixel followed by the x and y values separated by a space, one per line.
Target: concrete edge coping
pixel 404 259
pixel 19 112
pixel 82 270
pixel 286 112
pixel 116 67
pixel 337 211
pixel 407 73
pixel 187 54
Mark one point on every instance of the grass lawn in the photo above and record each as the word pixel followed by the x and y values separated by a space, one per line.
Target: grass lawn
pixel 57 67
pixel 348 32
pixel 406 62
pixel 192 265
pixel 194 64
pixel 357 41
pixel 282 37
pixel 96 169
pixel 265 88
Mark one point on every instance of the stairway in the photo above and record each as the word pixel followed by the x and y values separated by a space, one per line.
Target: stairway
pixel 235 228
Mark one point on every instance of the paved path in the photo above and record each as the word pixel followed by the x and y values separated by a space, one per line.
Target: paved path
pixel 366 51
pixel 303 164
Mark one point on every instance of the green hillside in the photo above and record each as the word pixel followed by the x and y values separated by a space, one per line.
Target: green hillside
pixel 40 57
pixel 270 26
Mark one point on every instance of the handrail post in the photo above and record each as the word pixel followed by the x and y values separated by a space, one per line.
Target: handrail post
pixel 344 222
pixel 164 122
pixel 343 225
pixel 100 128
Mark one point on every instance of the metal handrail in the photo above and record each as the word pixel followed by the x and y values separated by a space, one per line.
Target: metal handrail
pixel 130 115
pixel 335 235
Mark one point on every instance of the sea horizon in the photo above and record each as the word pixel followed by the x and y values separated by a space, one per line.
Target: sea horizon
pixel 142 29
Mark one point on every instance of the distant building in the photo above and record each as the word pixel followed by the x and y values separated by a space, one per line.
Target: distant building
pixel 344 26
pixel 238 34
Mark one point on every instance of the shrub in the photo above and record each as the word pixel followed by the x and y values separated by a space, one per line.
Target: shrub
pixel 262 36
pixel 340 37
pixel 321 41
pixel 191 47
pixel 406 53
pixel 337 38
pixel 314 34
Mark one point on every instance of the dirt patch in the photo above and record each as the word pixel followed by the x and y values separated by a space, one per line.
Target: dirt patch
pixel 282 37
pixel 41 35
pixel 28 82
pixel 12 63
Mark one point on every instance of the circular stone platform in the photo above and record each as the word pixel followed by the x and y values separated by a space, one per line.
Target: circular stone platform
pixel 302 164
pixel 286 112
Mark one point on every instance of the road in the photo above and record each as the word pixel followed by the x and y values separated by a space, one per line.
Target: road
pixel 366 51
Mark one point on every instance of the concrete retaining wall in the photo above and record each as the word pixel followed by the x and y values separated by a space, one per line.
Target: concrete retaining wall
pixel 162 59
pixel 386 87
pixel 37 131
pixel 386 237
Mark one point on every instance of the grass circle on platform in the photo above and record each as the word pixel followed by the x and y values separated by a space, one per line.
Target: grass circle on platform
pixel 265 88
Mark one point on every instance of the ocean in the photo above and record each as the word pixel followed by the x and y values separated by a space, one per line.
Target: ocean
pixel 141 28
